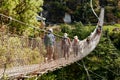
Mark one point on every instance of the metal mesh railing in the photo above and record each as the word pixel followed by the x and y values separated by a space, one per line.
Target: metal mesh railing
pixel 18 53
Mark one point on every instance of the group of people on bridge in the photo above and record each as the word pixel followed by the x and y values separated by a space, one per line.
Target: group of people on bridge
pixel 66 45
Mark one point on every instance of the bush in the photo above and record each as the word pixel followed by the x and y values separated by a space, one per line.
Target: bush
pixel 20 51
pixel 80 29
pixel 65 28
pixel 114 36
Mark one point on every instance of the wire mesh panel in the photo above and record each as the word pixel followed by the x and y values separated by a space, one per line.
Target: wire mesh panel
pixel 17 52
pixel 20 54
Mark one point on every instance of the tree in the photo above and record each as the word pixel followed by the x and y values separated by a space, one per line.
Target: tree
pixel 79 10
pixel 22 10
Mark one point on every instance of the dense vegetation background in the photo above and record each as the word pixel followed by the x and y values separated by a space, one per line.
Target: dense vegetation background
pixel 80 10
pixel 102 64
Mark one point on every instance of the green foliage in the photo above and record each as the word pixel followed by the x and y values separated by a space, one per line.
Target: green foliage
pixel 17 51
pixel 80 29
pixel 5 77
pixel 25 11
pixel 47 77
pixel 104 58
pixel 76 29
pixel 66 73
pixel 65 28
pixel 115 39
pixel 80 10
pixel 56 11
pixel 118 14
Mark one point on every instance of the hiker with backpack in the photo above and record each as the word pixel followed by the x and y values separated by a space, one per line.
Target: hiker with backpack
pixel 65 45
pixel 75 45
pixel 49 41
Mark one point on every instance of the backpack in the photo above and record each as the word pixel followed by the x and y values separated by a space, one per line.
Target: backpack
pixel 66 41
pixel 75 42
pixel 49 40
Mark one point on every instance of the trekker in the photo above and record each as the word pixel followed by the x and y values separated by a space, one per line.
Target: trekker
pixel 75 45
pixel 49 41
pixel 98 30
pixel 65 45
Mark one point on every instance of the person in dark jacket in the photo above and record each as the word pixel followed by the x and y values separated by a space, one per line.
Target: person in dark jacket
pixel 49 41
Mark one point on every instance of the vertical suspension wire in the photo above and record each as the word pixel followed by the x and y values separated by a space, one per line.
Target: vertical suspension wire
pixel 32 43
pixel 93 10
pixel 62 74
pixel 5 67
pixel 88 75
pixel 92 72
pixel 7 55
pixel 0 30
pixel 1 43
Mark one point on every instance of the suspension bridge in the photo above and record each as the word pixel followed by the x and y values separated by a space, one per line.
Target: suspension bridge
pixel 14 65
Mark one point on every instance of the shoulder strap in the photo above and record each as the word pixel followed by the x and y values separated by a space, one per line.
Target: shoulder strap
pixel 69 40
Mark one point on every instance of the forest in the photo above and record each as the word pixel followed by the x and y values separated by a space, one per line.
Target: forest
pixel 103 63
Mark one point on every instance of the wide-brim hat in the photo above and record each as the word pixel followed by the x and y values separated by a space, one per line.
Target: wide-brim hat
pixel 75 37
pixel 50 30
pixel 65 34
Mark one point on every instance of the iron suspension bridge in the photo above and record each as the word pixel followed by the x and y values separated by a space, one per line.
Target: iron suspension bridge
pixel 17 66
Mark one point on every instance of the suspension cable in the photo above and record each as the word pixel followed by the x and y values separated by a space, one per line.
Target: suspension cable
pixel 86 70
pixel 27 24
pixel 21 22
pixel 91 71
pixel 93 10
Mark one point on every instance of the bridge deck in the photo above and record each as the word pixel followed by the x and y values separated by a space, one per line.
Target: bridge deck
pixel 39 68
